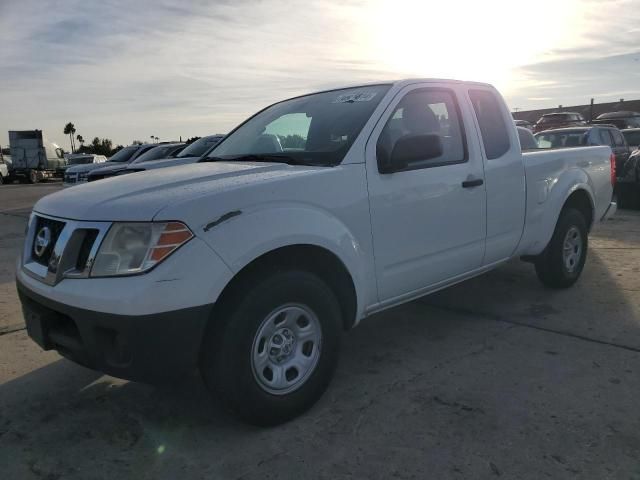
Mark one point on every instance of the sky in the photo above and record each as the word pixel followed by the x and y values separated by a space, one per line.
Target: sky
pixel 130 69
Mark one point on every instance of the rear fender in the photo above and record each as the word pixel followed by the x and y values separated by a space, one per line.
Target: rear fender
pixel 545 201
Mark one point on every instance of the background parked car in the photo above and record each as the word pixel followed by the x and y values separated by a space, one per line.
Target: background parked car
pixel 79 173
pixel 586 136
pixel 558 120
pixel 632 137
pixel 160 151
pixel 524 123
pixel 191 154
pixel 627 170
pixel 81 159
pixel 527 140
pixel 620 119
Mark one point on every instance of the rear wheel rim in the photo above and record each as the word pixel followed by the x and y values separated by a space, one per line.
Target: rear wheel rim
pixel 286 349
pixel 572 249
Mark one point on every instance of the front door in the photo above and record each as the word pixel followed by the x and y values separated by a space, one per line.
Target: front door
pixel 428 220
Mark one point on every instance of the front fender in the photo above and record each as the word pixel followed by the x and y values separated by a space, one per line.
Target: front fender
pixel 259 230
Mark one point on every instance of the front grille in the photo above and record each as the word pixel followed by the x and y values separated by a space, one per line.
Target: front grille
pixel 70 177
pixel 73 242
pixel 43 242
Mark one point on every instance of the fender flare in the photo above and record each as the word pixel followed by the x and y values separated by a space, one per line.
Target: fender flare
pixel 283 225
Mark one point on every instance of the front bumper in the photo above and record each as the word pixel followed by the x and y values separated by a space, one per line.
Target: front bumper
pixel 147 348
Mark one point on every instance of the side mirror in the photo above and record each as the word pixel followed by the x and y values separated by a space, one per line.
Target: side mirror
pixel 410 149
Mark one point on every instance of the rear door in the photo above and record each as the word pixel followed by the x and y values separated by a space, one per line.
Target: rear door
pixel 428 227
pixel 504 173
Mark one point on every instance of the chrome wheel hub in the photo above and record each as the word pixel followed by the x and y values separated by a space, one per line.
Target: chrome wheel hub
pixel 572 249
pixel 286 349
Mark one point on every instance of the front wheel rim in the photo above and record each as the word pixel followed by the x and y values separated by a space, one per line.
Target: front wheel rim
pixel 572 249
pixel 286 349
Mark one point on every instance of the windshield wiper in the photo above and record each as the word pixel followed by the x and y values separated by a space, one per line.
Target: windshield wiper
pixel 268 158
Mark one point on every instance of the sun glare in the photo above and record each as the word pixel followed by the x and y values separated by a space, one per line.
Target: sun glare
pixel 467 39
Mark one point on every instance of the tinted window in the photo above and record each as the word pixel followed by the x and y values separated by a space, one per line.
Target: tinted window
pixel 555 118
pixel 80 160
pixel 607 138
pixel 424 112
pixel 562 139
pixel 633 138
pixel 527 140
pixel 495 134
pixel 618 138
pixel 200 146
pixel 124 155
pixel 157 153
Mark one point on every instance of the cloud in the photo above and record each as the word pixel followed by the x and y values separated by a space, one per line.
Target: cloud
pixel 130 69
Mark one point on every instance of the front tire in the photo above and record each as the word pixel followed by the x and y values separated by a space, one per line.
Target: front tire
pixel 561 263
pixel 273 353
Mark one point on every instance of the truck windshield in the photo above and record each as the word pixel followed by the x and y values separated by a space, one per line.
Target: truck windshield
pixel 316 129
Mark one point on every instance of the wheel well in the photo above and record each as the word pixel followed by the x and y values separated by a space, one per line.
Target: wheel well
pixel 312 258
pixel 581 201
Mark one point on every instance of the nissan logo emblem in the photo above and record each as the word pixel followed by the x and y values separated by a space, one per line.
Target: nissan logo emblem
pixel 43 239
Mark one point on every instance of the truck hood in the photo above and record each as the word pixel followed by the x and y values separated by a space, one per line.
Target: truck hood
pixel 140 196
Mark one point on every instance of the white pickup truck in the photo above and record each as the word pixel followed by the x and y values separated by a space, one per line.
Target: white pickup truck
pixel 313 214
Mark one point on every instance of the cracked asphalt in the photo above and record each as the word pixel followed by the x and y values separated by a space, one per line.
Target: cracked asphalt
pixel 495 377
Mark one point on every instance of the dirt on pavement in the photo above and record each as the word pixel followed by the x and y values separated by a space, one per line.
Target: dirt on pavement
pixel 495 377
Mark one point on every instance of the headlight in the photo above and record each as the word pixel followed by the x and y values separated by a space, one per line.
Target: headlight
pixel 131 248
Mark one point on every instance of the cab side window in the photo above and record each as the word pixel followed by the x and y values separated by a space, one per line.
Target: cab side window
pixel 428 111
pixel 493 127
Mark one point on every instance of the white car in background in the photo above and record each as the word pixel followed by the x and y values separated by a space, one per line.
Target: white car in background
pixel 191 154
pixel 4 170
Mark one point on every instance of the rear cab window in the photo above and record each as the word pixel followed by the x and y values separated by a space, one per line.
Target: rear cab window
pixel 493 127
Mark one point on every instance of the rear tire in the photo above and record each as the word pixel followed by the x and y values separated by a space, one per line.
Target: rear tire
pixel 262 357
pixel 33 176
pixel 561 263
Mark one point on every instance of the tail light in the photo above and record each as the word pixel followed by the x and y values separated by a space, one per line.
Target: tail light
pixel 612 159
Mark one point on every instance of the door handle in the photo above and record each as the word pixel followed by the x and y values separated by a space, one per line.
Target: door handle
pixel 472 183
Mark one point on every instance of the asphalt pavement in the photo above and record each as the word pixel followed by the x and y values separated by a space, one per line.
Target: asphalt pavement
pixel 495 377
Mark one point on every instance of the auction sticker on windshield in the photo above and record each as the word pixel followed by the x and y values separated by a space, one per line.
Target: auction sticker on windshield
pixel 355 97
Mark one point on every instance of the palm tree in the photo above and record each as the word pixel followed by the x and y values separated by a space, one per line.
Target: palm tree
pixel 80 140
pixel 69 129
